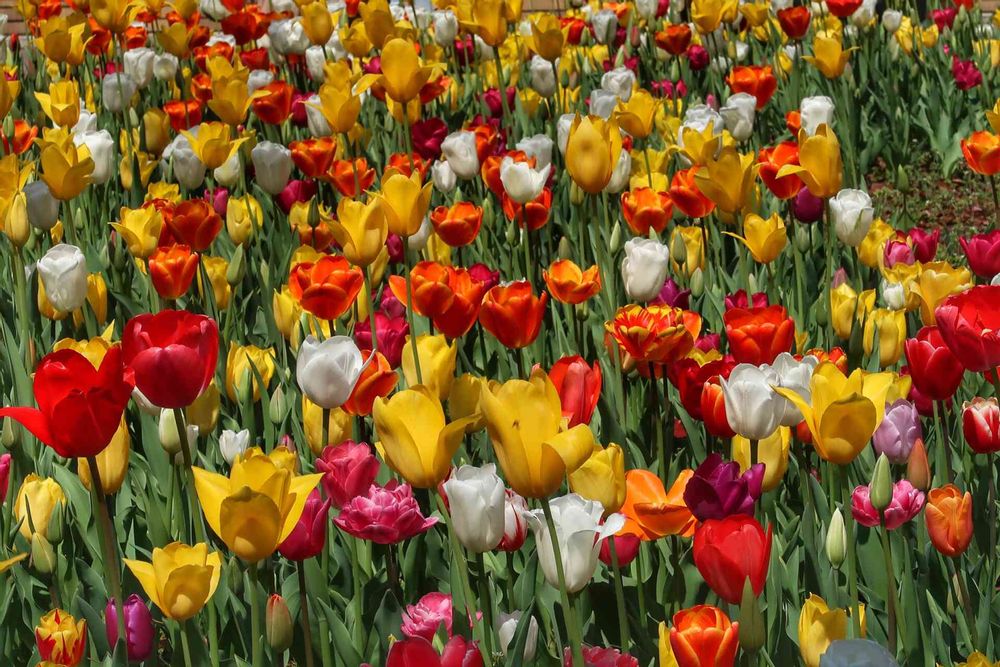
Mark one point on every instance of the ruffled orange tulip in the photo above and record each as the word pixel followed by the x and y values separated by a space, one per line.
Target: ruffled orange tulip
pixel 568 283
pixel 703 635
pixel 650 511
pixel 326 288
pixel 172 270
pixel 458 224
pixel 758 335
pixel 754 80
pixel 949 520
pixel 313 156
pixel 675 39
pixel 657 334
pixel 645 209
pixel 513 314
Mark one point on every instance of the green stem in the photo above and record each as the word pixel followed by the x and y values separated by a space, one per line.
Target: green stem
pixel 852 564
pixel 890 585
pixel 185 646
pixel 569 614
pixel 106 531
pixel 409 312
pixel 304 603
pixel 620 596
pixel 458 558
pixel 256 635
pixel 485 603
pixel 358 598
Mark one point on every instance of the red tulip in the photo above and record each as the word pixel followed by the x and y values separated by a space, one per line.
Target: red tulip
pixel 983 253
pixel 79 407
pixel 690 379
pixel 626 548
pixel 349 469
pixel 599 656
pixel 758 335
pixel 729 551
pixel 390 334
pixel 579 387
pixel 713 410
pixel 843 8
pixel 309 535
pixel 935 371
pixel 981 425
pixel 172 355
pixel 924 243
pixel 970 326
pixel 4 476
pixel 418 652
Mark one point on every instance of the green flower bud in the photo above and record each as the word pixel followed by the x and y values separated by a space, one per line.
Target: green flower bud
pixel 565 250
pixel 276 409
pixel 697 282
pixel 752 631
pixel 836 540
pixel 43 556
pixel 237 267
pixel 880 490
pixel 278 624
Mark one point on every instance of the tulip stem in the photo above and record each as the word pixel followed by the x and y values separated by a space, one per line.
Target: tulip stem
pixel 458 558
pixel 569 614
pixel 257 657
pixel 370 291
pixel 966 601
pixel 943 453
pixel 620 596
pixel 185 646
pixel 306 630
pixel 890 585
pixel 996 202
pixel 358 598
pixel 852 565
pixel 409 312
pixel 485 603
pixel 105 530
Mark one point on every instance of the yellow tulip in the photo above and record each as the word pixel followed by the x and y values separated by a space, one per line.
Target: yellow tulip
pixel 231 99
pixel 317 22
pixel 486 18
pixel 114 15
pixel 728 180
pixel 360 228
pixel 180 579
pixel 377 21
pixel 176 39
pixel 214 143
pixel 204 412
pixel 97 301
pixel 437 363
pixel 524 420
pixel 765 238
pixel 700 146
pixel 162 190
pixel 977 659
pixel 820 166
pixel 891 327
pixel 354 37
pixel 592 152
pixel 63 38
pixel 637 116
pixel 35 502
pixel 286 311
pixel 936 282
pixel 707 15
pixel 66 167
pixel 243 364
pixel 112 462
pixel 156 130
pixel 602 478
pixel 844 410
pixel 414 439
pixel 756 14
pixel 403 72
pixel 872 246
pixel 694 245
pixel 829 56
pixel 338 428
pixel 9 90
pixel 256 507
pixel 819 626
pixel 339 105
pixel 463 401
pixel 140 229
pixel 846 307
pixel 244 216
pixel 772 451
pixel 216 268
pixel 546 37
pixel 61 103
pixel 93 349
pixel 405 202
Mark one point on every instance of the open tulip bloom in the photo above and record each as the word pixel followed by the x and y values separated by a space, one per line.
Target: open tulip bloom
pixel 493 332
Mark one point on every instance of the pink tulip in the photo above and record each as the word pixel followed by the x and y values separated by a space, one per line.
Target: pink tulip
pixel 424 618
pixel 390 334
pixel 626 547
pixel 5 461
pixel 385 515
pixel 309 535
pixel 349 469
pixel 138 627
pixel 907 502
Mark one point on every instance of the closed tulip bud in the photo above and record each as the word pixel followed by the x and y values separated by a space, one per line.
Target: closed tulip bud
pixel 880 492
pixel 232 444
pixel 476 504
pixel 803 239
pixel 576 194
pixel 582 311
pixel 918 470
pixel 565 249
pixel 43 556
pixel 752 632
pixel 169 436
pixel 678 250
pixel 277 407
pixel 272 166
pixel 139 630
pixel 836 540
pixel 697 283
pixel 615 244
pixel 10 437
pixel 56 525
pixel 18 228
pixel 237 267
pixel 902 180
pixel 63 271
pixel 507 629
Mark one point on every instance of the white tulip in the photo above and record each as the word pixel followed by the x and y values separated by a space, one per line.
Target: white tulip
pixel 476 503
pixel 864 14
pixel 327 371
pixel 288 37
pixel 187 168
pixel 459 149
pixel 892 19
pixel 138 64
pixel 445 27
pixel 753 409
pixel 63 272
pixel 484 51
pixel 443 177
pixel 102 152
pixel 605 23
pixel 417 242
pixel 539 147
pixel 738 114
pixel 543 77
pixel 259 78
pixel 507 628
pixel 853 214
pixel 213 9
pixel 893 295
pixel 165 67
pixel 647 8
pixel 86 123
pixel 315 63
pixel 42 207
pixel 563 127
pixel 228 173
pixel 815 111
pixel 169 435
pixel 272 165
pixel 117 90
pixel 603 103
pixel 644 268
pixel 232 444
pixel 318 125
pixel 579 533
pixel 619 81
pixel 796 376
pixel 522 183
pixel 620 174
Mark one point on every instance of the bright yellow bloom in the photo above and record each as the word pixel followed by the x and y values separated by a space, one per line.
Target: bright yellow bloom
pixel 819 626
pixel 114 15
pixel 872 246
pixel 486 18
pixel 820 166
pixel 93 349
pixel 66 167
pixel 176 39
pixel 64 38
pixel 339 426
pixel 216 268
pixel 405 202
pixel 414 438
pixel 437 363
pixel 64 637
pixel 936 282
pixel 694 246
pixel 214 143
pixel 728 180
pixel 708 14
pixel 772 451
pixel 845 410
pixel 592 152
pixel 140 229
pixel 181 578
pixel 463 401
pixel 891 326
pixel 340 106
pixel 403 72
pixel 638 114
pixel 231 99
pixel 700 146
pixel 317 22
pixel 765 238
pixel 244 216
pixel 61 103
pixel 546 37
pixel 977 659
pixel 602 478
pixel 846 307
pixel 36 501
pixel 9 90
pixel 112 462
pixel 255 509
pixel 243 364
pixel 829 56
pixel 524 420
pixel 377 21
pixel 361 229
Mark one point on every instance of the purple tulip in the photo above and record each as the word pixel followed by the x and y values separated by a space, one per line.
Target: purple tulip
pixel 138 627
pixel 717 489
pixel 898 432
pixel 671 294
pixel 806 207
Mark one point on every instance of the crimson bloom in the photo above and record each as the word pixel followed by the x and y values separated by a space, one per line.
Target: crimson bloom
pixel 729 551
pixel 983 253
pixel 309 535
pixel 384 515
pixel 936 372
pixel 981 425
pixel 970 326
pixel 172 355
pixel 579 387
pixel 843 8
pixel 758 335
pixel 418 652
pixel 349 469
pixel 79 407
pixel 598 656
pixel 717 489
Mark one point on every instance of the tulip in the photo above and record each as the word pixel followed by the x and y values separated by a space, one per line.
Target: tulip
pixel 934 283
pixel 644 268
pixel 753 409
pixel 592 152
pixel 308 537
pixel 459 149
pixel 772 452
pixel 244 365
pixel 983 253
pixel 5 464
pixel 476 504
pixel 61 639
pixel 906 503
pixel 180 580
pixel 138 627
pixel 172 354
pixel 80 406
pixel 328 371
pixel 327 288
pixel 898 432
pixel 232 444
pixel 415 440
pixel 403 73
pixel 968 323
pixel 515 527
pixel 759 335
pixel 739 113
pixel 850 652
pixel 852 216
pixel 650 511
pixel 936 372
pixel 819 626
pixel 949 520
pixel 829 56
pixel 717 489
pixel 568 283
pixel 101 147
pixel 659 334
pixel 117 91
pixel 982 152
pixel 730 551
pixel 981 425
pixel 405 203
pixel 820 166
pixel 701 636
pixel 507 625
pixel 601 478
pixel 349 469
pixel 261 502
pixel 437 358
pixel 272 166
pixel 384 515
pixel 764 238
pixel 728 179
pixel 459 224
pixel 521 182
pixel 423 619
pixel 63 272
pixel 579 388
pixel 390 334
pixel 35 505
pixel 418 652
pixel 41 207
pixel 171 270
pixel 513 314
pixel 579 534
pixel 140 229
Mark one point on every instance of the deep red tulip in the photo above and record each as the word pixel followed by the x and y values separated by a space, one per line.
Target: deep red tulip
pixel 579 387
pixel 729 551
pixel 598 656
pixel 626 547
pixel 936 372
pixel 79 407
pixel 843 8
pixel 4 476
pixel 172 354
pixel 981 425
pixel 427 137
pixel 970 326
pixel 794 21
pixel 309 535
pixel 690 379
pixel 983 253
pixel 758 335
pixel 390 333
pixel 349 469
pixel 418 652
pixel 740 299
pixel 965 73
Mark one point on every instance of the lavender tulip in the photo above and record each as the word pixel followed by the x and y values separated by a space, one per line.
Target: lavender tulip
pixel 898 432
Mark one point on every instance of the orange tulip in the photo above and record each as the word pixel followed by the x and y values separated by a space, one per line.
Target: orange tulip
pixel 570 284
pixel 771 161
pixel 450 297
pixel 405 164
pixel 982 152
pixel 949 520
pixel 457 225
pixel 275 105
pixel 351 178
pixel 201 88
pixel 377 380
pixel 183 114
pixel 326 288
pixel 686 196
pixel 645 209
pixel 650 511
pixel 657 334
pixel 533 215
pixel 172 270
pixel 195 223
pixel 513 314
pixel 703 635
pixel 675 39
pixel 754 80
pixel 314 156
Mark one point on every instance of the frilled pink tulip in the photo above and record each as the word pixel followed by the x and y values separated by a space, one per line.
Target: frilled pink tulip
pixel 385 515
pixel 697 57
pixel 925 243
pixel 907 502
pixel 418 652
pixel 138 627
pixel 515 528
pixel 983 253
pixel 349 469
pixel 898 432
pixel 966 74
pixel 739 299
pixel 427 137
pixel 626 547
pixel 5 461
pixel 309 535
pixel 598 656
pixel 390 334
pixel 579 387
pixel 671 294
pixel 717 489
pixel 424 618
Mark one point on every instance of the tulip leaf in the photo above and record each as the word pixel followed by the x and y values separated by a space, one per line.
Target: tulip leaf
pixel 515 651
pixel 342 641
